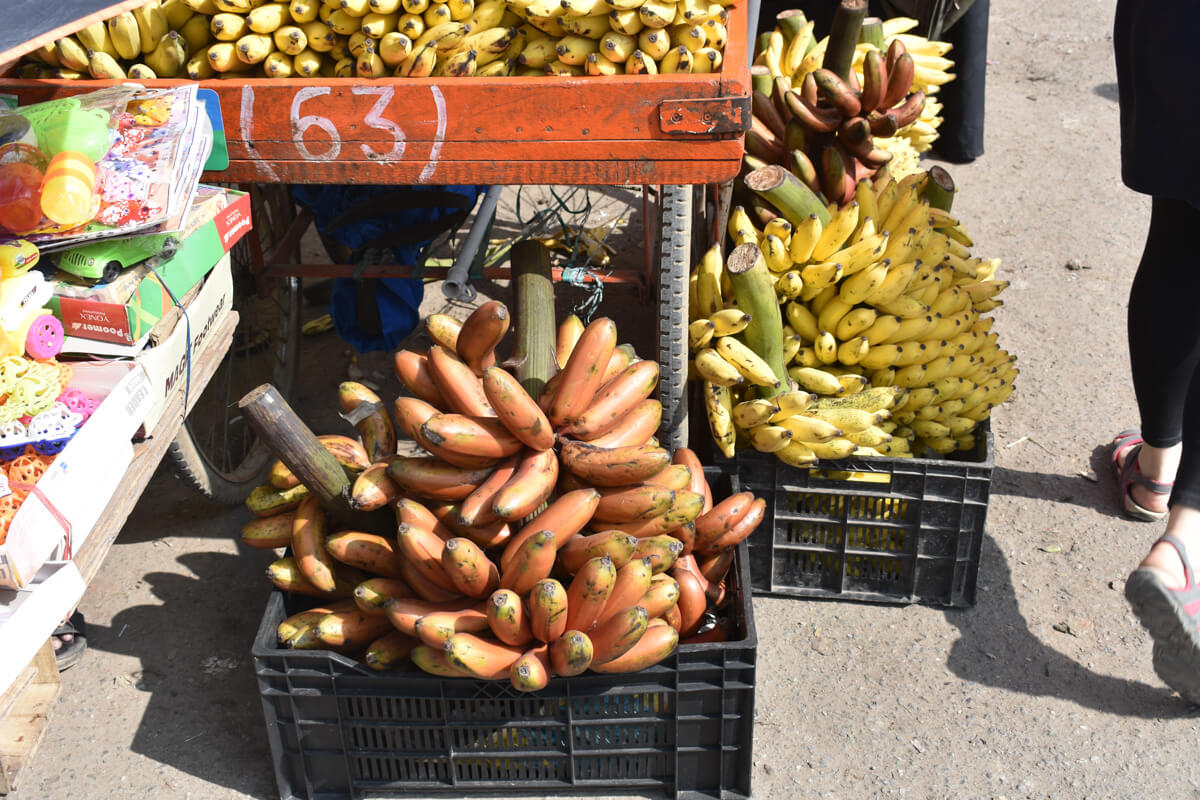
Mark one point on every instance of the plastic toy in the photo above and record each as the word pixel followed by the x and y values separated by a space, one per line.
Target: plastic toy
pixel 25 327
pixel 105 259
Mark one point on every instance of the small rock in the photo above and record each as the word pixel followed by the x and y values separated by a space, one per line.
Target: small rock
pixel 1076 264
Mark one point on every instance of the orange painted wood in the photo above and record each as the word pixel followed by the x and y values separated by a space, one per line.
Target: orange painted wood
pixel 478 130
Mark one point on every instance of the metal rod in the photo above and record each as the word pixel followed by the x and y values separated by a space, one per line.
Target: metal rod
pixel 456 284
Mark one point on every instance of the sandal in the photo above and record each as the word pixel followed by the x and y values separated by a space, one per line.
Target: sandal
pixel 1172 617
pixel 69 653
pixel 1129 474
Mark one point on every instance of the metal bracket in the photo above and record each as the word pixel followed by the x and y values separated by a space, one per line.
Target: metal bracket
pixel 705 116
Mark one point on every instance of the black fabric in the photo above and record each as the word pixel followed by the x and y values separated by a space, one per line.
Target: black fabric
pixel 1164 339
pixel 1159 85
pixel 960 136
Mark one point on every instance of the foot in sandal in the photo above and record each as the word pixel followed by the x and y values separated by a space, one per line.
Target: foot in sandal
pixel 1165 597
pixel 1145 475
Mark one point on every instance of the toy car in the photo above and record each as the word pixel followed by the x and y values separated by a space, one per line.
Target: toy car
pixel 104 260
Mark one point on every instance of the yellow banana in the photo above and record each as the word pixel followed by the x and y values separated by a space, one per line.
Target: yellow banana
pixel 749 363
pixel 290 40
pixel 617 47
pixel 715 369
pixel 769 438
pixel 96 36
pixel 254 47
pixel 729 321
pixel 169 58
pixel 626 21
pixel 227 27
pixel 640 64
pixel 678 60
pixel 278 65
pixel 176 13
pixel 152 24
pixel 125 36
pixel 307 63
pixel 826 347
pixel 596 65
pixel 815 380
pixel 807 428
pixel 718 406
pixel 198 67
pixel 700 333
pixel 751 413
pixel 302 11
pixel 835 234
pixel 102 66
pixel 420 63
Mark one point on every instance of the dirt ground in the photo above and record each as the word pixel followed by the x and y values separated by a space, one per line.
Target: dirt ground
pixel 1044 689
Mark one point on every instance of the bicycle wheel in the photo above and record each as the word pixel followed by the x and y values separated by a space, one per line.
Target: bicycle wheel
pixel 215 449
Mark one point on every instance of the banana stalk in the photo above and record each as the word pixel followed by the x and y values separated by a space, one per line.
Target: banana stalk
pixel 754 288
pixel 786 192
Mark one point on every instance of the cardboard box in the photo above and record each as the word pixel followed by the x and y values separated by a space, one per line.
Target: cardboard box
pixel 28 616
pixel 166 363
pixel 126 323
pixel 84 476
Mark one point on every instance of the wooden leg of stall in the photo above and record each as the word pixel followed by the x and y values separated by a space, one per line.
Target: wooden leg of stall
pixel 24 711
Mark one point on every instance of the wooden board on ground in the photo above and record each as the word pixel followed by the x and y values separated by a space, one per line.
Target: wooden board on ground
pixel 26 708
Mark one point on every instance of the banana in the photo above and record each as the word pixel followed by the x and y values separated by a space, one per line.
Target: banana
pixel 548 610
pixel 290 39
pixel 719 409
pixel 583 372
pixel 222 57
pixel 419 64
pixel 285 574
pixel 835 234
pixel 806 427
pixel 531 562
pixel 677 61
pixel 507 618
pixel 71 54
pixel 716 369
pixel 614 401
pixel 434 478
pixel 692 601
pixel 826 348
pixel 308 545
pixel 176 13
pixel 268 532
pixel 752 413
pixel 170 57
pixel 481 658
pixel 228 27
pixel 373 489
pixel 152 24
pixel 617 545
pixel 626 21
pixel 206 7
pixel 571 654
pixel 619 466
pixel 198 67
pixel 815 380
pixel 640 64
pixel 736 533
pixel 768 438
pixel 516 410
pixel 125 36
pixel 633 503
pixel 589 592
pixel 469 569
pixel 102 66
pixel 748 363
pixel 637 428
pixel 478 336
pixel 574 50
pixel 700 333
pixel 96 37
pixel 253 48
pixel 365 551
pixel 277 65
pixel 530 485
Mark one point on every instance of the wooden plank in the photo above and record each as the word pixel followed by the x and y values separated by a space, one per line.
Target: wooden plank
pixel 22 728
pixel 147 455
pixel 490 173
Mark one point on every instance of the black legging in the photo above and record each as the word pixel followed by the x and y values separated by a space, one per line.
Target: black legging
pixel 1164 346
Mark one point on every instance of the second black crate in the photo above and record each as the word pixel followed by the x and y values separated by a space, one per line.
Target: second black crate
pixel 888 530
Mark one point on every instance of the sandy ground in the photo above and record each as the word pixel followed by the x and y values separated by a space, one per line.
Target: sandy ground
pixel 1043 689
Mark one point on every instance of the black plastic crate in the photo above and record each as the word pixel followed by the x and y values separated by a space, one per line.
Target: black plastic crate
pixel 910 533
pixel 683 728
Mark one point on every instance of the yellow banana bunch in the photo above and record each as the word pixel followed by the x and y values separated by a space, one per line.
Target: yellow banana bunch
pixel 309 38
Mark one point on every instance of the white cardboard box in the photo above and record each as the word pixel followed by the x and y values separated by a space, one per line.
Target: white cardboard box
pixel 84 476
pixel 166 363
pixel 28 616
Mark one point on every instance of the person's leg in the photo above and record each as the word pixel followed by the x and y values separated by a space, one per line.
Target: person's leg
pixel 1164 346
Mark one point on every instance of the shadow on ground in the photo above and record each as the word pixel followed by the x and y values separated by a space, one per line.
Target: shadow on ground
pixel 997 648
